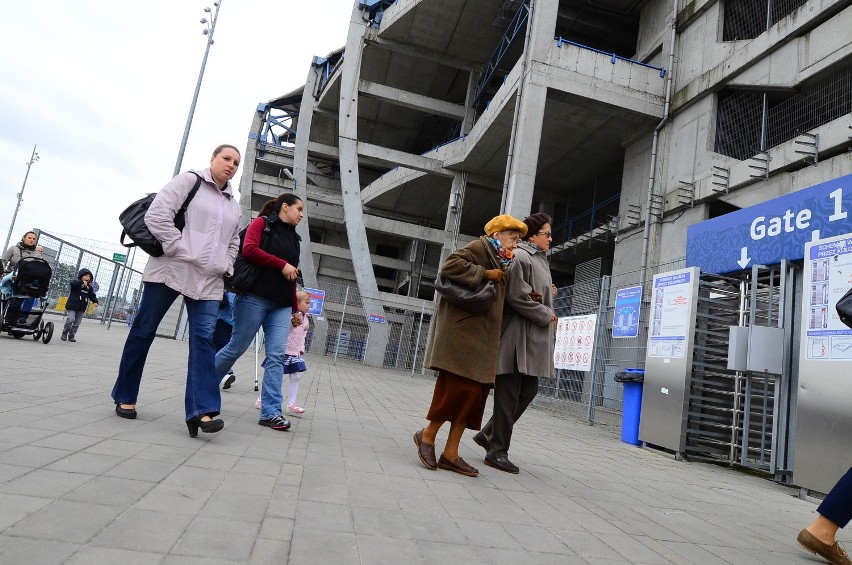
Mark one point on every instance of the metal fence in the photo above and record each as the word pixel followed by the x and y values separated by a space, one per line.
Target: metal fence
pixel 595 395
pixel 118 287
pixel 342 331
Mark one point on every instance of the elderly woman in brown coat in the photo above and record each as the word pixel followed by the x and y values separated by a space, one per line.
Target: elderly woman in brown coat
pixel 463 345
pixel 526 342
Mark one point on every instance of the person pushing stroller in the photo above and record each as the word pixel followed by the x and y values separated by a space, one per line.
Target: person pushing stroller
pixel 80 295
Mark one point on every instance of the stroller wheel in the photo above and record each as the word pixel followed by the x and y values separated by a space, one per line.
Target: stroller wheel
pixel 47 332
pixel 16 335
pixel 39 331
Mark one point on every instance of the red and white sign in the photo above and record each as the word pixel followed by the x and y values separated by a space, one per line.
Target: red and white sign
pixel 575 339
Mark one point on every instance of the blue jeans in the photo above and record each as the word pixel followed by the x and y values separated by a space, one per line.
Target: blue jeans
pixel 202 387
pixel 837 505
pixel 250 313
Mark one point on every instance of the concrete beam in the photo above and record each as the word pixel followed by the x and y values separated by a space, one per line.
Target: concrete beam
pixel 411 100
pixel 393 158
pixel 433 56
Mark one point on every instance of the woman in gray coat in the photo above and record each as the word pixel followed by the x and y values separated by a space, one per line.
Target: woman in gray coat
pixel 526 342
pixel 463 345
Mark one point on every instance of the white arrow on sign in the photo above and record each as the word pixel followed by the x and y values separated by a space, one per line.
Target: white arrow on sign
pixel 744 258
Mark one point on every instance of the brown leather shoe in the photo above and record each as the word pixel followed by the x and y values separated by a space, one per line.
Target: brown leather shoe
pixel 458 466
pixel 425 452
pixel 502 463
pixel 831 553
pixel 481 440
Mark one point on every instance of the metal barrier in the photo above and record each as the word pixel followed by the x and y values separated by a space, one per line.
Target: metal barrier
pixel 594 395
pixel 343 329
pixel 119 286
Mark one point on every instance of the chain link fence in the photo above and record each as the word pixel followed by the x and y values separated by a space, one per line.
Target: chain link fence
pixel 343 329
pixel 594 395
pixel 118 287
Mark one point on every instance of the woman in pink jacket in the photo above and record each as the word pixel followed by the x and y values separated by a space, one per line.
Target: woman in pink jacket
pixel 193 264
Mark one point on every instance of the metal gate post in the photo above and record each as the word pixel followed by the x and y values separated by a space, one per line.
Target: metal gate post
pixel 599 334
pixel 340 327
pixel 417 343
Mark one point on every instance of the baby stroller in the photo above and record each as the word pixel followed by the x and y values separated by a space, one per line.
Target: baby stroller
pixel 21 312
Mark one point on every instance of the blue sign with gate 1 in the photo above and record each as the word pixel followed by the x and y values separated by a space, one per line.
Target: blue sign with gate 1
pixel 317 301
pixel 625 319
pixel 776 229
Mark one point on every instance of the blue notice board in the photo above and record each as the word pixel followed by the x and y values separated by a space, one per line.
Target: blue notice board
pixel 376 318
pixel 317 301
pixel 773 230
pixel 625 319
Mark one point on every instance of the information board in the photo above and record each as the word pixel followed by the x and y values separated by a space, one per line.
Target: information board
pixel 625 319
pixel 670 315
pixel 317 301
pixel 575 340
pixel 827 276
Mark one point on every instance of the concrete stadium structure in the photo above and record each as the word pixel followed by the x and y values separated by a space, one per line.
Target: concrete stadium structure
pixel 625 120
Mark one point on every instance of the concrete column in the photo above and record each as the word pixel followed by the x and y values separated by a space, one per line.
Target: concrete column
pixel 529 113
pixel 247 164
pixel 451 226
pixel 469 112
pixel 351 186
pixel 300 173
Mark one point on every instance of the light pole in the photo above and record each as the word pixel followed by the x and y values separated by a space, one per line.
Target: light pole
pixel 208 31
pixel 33 159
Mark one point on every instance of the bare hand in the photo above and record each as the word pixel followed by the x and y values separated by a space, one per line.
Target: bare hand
pixel 553 318
pixel 39 249
pixel 554 289
pixel 290 272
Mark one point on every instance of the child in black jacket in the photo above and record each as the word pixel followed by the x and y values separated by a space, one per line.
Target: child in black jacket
pixel 78 301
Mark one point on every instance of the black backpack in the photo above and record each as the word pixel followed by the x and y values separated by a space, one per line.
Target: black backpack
pixel 133 222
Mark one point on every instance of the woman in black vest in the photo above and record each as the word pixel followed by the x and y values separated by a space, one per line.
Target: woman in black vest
pixel 271 242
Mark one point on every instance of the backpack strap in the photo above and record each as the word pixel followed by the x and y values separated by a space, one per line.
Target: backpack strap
pixel 191 194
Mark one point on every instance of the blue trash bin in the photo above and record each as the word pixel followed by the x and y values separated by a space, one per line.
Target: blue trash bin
pixel 631 404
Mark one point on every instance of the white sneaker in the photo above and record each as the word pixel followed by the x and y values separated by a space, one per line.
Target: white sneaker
pixel 227 381
pixel 295 409
pixel 257 403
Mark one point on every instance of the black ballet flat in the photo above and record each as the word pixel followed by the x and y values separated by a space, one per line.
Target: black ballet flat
pixel 129 413
pixel 209 427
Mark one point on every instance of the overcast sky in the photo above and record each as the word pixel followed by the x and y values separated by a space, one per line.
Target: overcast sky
pixel 103 87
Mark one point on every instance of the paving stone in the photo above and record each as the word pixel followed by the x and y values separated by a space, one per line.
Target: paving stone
pixel 218 538
pixel 14 550
pixel 65 520
pixel 144 530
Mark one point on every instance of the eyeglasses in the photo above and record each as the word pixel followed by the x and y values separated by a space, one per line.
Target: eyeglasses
pixel 545 233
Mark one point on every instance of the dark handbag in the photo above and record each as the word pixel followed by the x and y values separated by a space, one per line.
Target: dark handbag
pixel 245 272
pixel 473 300
pixel 132 221
pixel 844 308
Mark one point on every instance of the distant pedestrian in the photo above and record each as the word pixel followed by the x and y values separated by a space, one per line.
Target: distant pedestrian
pixel 463 345
pixel 835 512
pixel 193 265
pixel 27 247
pixel 223 331
pixel 294 365
pixel 79 296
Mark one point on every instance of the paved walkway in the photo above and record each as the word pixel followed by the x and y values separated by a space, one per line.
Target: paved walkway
pixel 79 485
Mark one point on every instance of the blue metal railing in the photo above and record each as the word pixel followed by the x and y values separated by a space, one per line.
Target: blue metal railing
pixel 566 229
pixel 376 9
pixel 514 30
pixel 560 41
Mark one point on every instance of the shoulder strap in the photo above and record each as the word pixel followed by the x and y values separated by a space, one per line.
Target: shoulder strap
pixel 191 194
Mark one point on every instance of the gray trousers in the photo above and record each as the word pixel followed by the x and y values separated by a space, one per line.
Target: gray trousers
pixel 512 394
pixel 73 319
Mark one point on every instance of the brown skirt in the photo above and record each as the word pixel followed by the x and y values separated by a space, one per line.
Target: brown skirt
pixel 457 399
